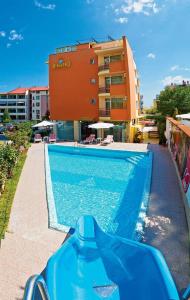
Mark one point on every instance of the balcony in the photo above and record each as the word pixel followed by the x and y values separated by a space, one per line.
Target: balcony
pixel 104 90
pixel 104 113
pixel 103 67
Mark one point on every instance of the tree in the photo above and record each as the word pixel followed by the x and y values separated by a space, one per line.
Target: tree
pixel 174 99
pixel 6 117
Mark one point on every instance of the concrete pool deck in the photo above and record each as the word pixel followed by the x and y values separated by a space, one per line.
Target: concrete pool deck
pixel 29 242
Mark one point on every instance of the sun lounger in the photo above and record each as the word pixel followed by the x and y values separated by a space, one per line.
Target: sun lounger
pixel 90 139
pixel 107 140
pixel 37 138
pixel 52 138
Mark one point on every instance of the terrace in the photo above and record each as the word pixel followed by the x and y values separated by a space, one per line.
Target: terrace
pixel 29 242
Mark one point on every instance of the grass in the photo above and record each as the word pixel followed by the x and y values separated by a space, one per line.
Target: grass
pixel 7 197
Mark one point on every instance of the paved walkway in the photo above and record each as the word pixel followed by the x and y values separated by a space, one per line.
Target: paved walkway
pixel 29 242
pixel 167 226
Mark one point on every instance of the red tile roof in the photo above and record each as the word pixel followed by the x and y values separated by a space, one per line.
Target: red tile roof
pixel 18 91
pixel 39 88
pixel 23 90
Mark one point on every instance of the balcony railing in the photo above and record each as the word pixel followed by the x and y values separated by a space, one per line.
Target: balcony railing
pixel 104 112
pixel 104 89
pixel 103 67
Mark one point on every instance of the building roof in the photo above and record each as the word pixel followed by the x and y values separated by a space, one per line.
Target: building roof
pixel 39 88
pixel 18 91
pixel 23 90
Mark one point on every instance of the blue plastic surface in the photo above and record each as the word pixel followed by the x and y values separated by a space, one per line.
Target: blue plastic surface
pixel 92 265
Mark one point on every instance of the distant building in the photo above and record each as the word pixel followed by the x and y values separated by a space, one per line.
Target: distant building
pixel 182 84
pixel 39 96
pixel 92 82
pixel 25 103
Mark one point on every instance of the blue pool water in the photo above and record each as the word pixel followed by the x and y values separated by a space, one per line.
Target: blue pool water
pixel 113 186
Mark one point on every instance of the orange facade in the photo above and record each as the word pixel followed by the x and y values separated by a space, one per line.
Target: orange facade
pixel 92 81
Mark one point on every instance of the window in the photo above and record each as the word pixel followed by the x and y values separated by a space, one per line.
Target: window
pixel 117 103
pixel 11 96
pixel 106 60
pixel 21 96
pixel 66 49
pixel 12 110
pixel 117 79
pixel 37 92
pixel 37 111
pixel 3 103
pixel 33 104
pixel 115 58
pixel 107 81
pixel 11 103
pixel 93 101
pixel 21 110
pixel 92 61
pixel 21 103
pixel 33 111
pixel 21 117
pixel 37 104
pixel 93 80
pixel 37 97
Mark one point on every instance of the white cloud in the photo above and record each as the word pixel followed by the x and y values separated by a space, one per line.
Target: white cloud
pixel 2 33
pixel 42 6
pixel 174 68
pixel 8 45
pixel 14 36
pixel 147 7
pixel 121 20
pixel 178 68
pixel 174 79
pixel 151 55
pixel 89 1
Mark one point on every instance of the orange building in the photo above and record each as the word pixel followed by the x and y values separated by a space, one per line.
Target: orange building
pixel 93 82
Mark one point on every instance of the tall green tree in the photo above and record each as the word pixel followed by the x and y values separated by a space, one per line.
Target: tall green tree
pixel 174 99
pixel 6 117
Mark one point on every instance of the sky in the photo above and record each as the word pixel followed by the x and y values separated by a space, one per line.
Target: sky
pixel 157 30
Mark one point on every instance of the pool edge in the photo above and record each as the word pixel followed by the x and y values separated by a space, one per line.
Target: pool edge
pixel 52 214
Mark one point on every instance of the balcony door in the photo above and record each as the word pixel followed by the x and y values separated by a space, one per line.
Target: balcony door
pixel 108 104
pixel 107 82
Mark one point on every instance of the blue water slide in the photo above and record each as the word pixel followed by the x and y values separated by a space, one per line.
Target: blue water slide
pixel 93 265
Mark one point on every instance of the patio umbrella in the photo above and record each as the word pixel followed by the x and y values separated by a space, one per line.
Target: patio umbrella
pixel 43 124
pixel 101 125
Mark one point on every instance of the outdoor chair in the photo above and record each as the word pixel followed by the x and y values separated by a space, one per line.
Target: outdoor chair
pixel 90 139
pixel 52 138
pixel 37 138
pixel 107 140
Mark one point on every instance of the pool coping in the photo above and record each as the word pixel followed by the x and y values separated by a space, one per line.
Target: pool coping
pixel 52 214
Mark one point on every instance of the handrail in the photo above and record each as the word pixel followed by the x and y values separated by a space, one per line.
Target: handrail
pixel 33 283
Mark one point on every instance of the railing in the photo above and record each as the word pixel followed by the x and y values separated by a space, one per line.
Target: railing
pixel 104 112
pixel 36 282
pixel 104 89
pixel 103 67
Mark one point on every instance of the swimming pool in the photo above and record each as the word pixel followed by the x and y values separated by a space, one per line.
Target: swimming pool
pixel 111 185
